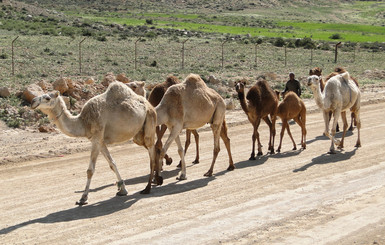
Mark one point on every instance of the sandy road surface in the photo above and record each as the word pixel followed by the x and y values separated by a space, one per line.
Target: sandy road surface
pixel 293 197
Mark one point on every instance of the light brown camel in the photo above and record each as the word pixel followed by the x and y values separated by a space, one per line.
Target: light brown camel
pixel 340 94
pixel 261 101
pixel 115 116
pixel 190 105
pixel 138 87
pixel 338 70
pixel 292 107
pixel 154 98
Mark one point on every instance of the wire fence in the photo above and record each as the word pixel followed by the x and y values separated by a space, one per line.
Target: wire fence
pixel 28 58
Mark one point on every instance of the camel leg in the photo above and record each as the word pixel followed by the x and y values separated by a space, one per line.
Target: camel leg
pixel 174 135
pixel 256 137
pixel 336 115
pixel 358 125
pixel 291 137
pixel 345 123
pixel 352 122
pixel 160 130
pixel 301 121
pixel 226 140
pixel 182 175
pixel 284 122
pixel 271 138
pixel 326 117
pixel 121 187
pixel 216 132
pixel 196 137
pixel 95 149
pixel 153 165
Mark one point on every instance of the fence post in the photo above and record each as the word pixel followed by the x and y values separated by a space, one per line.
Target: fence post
pixel 222 51
pixel 285 56
pixel 311 56
pixel 136 50
pixel 183 52
pixel 336 52
pixel 256 55
pixel 13 56
pixel 80 56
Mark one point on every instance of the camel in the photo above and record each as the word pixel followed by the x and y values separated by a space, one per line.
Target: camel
pixel 292 107
pixel 338 70
pixel 138 87
pixel 340 94
pixel 190 105
pixel 115 116
pixel 154 98
pixel 261 102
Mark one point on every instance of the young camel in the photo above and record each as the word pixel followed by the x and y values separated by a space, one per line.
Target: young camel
pixel 340 94
pixel 115 116
pixel 292 107
pixel 190 105
pixel 138 87
pixel 338 70
pixel 261 102
pixel 154 98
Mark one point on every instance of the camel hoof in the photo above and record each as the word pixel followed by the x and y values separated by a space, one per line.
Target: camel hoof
pixel 260 153
pixel 331 152
pixel 169 161
pixel 351 128
pixel 146 190
pixel 159 180
pixel 181 177
pixel 179 165
pixel 272 151
pixel 358 145
pixel 231 168
pixel 295 148
pixel 81 202
pixel 338 142
pixel 208 174
pixel 122 193
pixel 195 162
pixel 252 158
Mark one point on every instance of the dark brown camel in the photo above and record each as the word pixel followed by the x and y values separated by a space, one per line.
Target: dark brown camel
pixel 154 98
pixel 338 70
pixel 292 107
pixel 260 102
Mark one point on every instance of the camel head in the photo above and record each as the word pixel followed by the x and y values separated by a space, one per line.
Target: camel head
pixel 315 71
pixel 45 101
pixel 240 86
pixel 313 81
pixel 137 87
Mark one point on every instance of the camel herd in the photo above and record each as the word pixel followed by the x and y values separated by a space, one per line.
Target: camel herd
pixel 122 112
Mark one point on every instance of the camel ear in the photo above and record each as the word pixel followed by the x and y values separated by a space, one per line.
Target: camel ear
pixel 56 94
pixel 140 83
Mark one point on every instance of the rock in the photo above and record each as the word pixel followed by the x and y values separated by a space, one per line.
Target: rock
pixel 230 105
pixel 89 81
pixel 213 80
pixel 44 85
pixel 31 92
pixel 122 78
pixel 46 129
pixel 4 92
pixel 71 84
pixel 61 85
pixel 108 78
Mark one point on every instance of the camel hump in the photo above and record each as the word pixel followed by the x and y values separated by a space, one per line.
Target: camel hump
pixel 118 91
pixel 194 80
pixel 171 80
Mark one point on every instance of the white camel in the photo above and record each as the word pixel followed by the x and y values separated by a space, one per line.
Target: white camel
pixel 340 94
pixel 115 116
pixel 190 105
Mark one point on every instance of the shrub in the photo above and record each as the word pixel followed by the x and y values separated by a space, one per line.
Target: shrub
pixel 279 42
pixel 335 36
pixel 149 21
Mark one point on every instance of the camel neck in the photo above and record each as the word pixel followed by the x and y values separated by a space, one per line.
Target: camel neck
pixel 68 124
pixel 318 96
pixel 242 100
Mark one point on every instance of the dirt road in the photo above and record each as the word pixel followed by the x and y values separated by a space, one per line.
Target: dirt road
pixel 293 197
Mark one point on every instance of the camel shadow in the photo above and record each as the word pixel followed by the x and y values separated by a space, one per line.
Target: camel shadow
pixel 116 203
pixel 326 159
pixel 289 153
pixel 323 137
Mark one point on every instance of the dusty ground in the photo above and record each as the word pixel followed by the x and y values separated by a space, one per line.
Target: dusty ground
pixel 293 197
